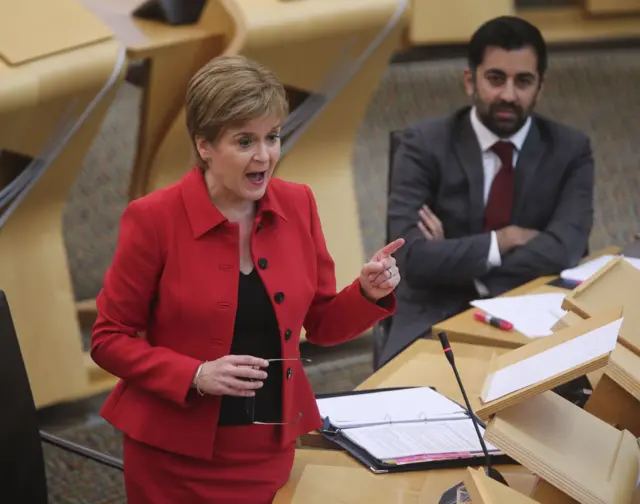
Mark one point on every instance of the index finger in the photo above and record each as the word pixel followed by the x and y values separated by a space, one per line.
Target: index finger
pixel 248 360
pixel 389 249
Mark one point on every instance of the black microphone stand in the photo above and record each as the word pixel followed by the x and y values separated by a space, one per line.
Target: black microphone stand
pixel 451 495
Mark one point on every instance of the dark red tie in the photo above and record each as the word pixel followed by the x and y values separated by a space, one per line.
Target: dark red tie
pixel 497 212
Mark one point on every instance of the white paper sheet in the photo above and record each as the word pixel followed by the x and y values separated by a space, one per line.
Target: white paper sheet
pixel 553 361
pixel 391 441
pixel 388 406
pixel 533 315
pixel 583 271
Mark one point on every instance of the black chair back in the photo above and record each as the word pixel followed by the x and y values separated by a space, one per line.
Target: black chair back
pixel 22 472
pixel 394 143
pixel 381 331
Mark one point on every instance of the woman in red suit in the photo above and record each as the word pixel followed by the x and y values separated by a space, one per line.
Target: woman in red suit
pixel 201 310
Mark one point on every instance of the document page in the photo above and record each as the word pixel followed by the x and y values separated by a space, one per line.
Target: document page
pixel 533 315
pixel 393 441
pixel 582 272
pixel 387 406
pixel 554 361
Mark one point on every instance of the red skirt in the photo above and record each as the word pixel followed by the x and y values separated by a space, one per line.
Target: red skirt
pixel 248 467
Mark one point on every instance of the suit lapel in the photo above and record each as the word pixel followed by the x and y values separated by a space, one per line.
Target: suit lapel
pixel 469 155
pixel 529 159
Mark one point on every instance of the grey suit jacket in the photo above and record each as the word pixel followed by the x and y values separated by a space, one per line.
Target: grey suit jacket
pixel 439 163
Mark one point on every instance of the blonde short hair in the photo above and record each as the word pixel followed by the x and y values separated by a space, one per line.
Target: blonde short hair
pixel 230 91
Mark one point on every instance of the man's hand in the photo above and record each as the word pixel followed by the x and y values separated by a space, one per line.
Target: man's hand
pixel 511 237
pixel 429 224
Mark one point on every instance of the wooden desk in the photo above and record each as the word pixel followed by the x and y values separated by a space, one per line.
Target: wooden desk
pixel 616 398
pixel 328 477
pixel 424 364
pixel 464 328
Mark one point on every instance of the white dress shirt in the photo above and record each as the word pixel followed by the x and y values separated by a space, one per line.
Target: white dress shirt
pixel 491 165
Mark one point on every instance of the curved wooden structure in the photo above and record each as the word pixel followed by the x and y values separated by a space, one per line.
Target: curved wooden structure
pixel 315 47
pixel 172 55
pixel 454 21
pixel 484 490
pixel 55 88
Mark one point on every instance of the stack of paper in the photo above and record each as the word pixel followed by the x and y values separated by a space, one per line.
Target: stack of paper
pixel 399 441
pixel 545 363
pixel 388 406
pixel 533 315
pixel 553 361
pixel 583 271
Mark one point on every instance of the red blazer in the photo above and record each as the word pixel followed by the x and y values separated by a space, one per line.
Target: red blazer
pixel 169 301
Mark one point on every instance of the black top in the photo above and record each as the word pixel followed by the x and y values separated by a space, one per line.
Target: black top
pixel 256 333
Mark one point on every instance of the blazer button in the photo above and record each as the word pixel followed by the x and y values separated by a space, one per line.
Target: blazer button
pixel 259 226
pixel 289 373
pixel 279 297
pixel 262 263
pixel 287 334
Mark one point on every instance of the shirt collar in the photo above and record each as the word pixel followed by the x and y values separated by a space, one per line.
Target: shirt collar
pixel 204 216
pixel 486 137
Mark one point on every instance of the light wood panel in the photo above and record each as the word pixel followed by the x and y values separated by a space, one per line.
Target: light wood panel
pixel 37 16
pixel 327 477
pixel 52 74
pixel 173 54
pixel 570 25
pixel 612 6
pixel 452 21
pixel 484 490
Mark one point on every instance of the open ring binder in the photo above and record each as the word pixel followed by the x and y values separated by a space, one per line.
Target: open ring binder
pixel 456 425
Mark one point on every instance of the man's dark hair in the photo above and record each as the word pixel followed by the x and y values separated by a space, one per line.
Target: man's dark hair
pixel 509 33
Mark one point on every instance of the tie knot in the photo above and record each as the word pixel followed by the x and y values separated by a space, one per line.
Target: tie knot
pixel 504 150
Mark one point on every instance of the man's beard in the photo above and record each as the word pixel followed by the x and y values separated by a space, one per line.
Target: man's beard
pixel 502 126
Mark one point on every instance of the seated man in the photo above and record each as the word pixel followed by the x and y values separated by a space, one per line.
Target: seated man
pixel 491 196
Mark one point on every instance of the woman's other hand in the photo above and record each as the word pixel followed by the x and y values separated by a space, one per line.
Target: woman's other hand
pixel 234 375
pixel 380 276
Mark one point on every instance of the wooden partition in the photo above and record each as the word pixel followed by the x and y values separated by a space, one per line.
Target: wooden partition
pixel 170 56
pixel 55 88
pixel 619 7
pixel 454 21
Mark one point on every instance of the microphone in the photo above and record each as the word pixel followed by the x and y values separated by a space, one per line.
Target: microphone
pixel 458 492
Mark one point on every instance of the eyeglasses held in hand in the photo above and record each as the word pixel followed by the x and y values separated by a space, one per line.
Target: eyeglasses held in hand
pixel 301 359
